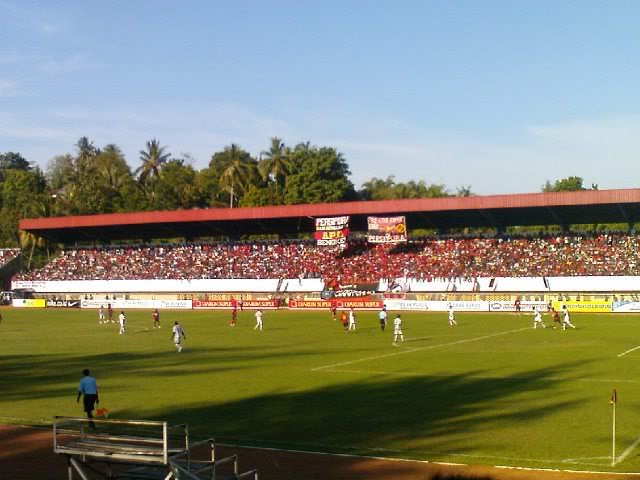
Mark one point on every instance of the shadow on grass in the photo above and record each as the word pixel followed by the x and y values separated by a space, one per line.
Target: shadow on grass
pixel 30 377
pixel 411 417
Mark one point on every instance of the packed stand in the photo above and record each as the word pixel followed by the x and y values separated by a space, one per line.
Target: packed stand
pixel 8 254
pixel 584 255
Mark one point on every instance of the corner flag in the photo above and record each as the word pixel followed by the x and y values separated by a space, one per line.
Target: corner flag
pixel 614 397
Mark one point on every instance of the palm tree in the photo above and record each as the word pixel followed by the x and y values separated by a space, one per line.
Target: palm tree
pixel 276 162
pixel 237 170
pixel 464 191
pixel 86 154
pixel 304 147
pixel 153 158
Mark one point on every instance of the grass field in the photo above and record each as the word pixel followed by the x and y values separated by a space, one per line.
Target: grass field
pixel 490 391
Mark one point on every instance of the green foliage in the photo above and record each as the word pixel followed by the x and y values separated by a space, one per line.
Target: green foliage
pixel 207 182
pixel 238 170
pixel 276 163
pixel 60 172
pixel 176 188
pixel 261 197
pixel 23 196
pixel 13 161
pixel 319 175
pixel 153 158
pixel 569 184
pixel 389 189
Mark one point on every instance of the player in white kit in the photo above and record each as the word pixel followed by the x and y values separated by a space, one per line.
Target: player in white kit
pixel 101 316
pixel 452 316
pixel 178 335
pixel 397 330
pixel 566 321
pixel 537 318
pixel 258 320
pixel 122 319
pixel 352 319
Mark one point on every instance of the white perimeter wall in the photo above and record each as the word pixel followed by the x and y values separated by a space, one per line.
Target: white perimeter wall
pixel 498 284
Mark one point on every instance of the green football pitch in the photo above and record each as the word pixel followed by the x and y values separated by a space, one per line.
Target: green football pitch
pixel 490 391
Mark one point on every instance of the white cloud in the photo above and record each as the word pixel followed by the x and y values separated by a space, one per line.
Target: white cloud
pixel 8 88
pixel 73 63
pixel 609 132
pixel 41 19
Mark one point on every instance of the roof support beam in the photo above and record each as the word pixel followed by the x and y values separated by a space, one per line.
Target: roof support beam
pixel 623 212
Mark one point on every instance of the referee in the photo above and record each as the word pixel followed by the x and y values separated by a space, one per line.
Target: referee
pixel 89 388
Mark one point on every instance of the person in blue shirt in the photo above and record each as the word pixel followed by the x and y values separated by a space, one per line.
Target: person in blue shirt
pixel 382 316
pixel 89 388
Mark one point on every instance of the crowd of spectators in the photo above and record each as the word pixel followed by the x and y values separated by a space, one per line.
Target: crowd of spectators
pixel 425 259
pixel 8 254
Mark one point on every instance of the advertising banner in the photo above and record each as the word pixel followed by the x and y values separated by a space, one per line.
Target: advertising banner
pixel 585 306
pixel 332 230
pixel 351 291
pixel 358 304
pixel 228 304
pixel 525 306
pixel 625 307
pixel 29 303
pixel 436 306
pixel 121 304
pixel 63 303
pixel 386 229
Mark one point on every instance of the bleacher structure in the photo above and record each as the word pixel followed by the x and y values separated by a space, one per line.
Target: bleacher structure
pixel 139 450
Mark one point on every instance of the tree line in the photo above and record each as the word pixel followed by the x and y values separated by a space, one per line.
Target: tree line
pixel 94 180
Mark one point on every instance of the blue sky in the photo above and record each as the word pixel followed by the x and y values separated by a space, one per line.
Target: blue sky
pixel 498 95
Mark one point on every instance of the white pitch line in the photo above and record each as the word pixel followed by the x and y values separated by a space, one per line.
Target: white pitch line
pixel 629 351
pixel 490 377
pixel 411 350
pixel 402 460
pixel 626 453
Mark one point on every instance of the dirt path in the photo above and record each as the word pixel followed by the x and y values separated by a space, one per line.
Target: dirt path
pixel 27 453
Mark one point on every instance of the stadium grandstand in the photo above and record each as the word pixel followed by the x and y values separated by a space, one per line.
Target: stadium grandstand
pixel 462 265
pixel 9 265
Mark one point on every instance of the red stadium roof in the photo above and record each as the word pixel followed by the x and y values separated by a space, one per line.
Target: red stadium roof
pixel 563 208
